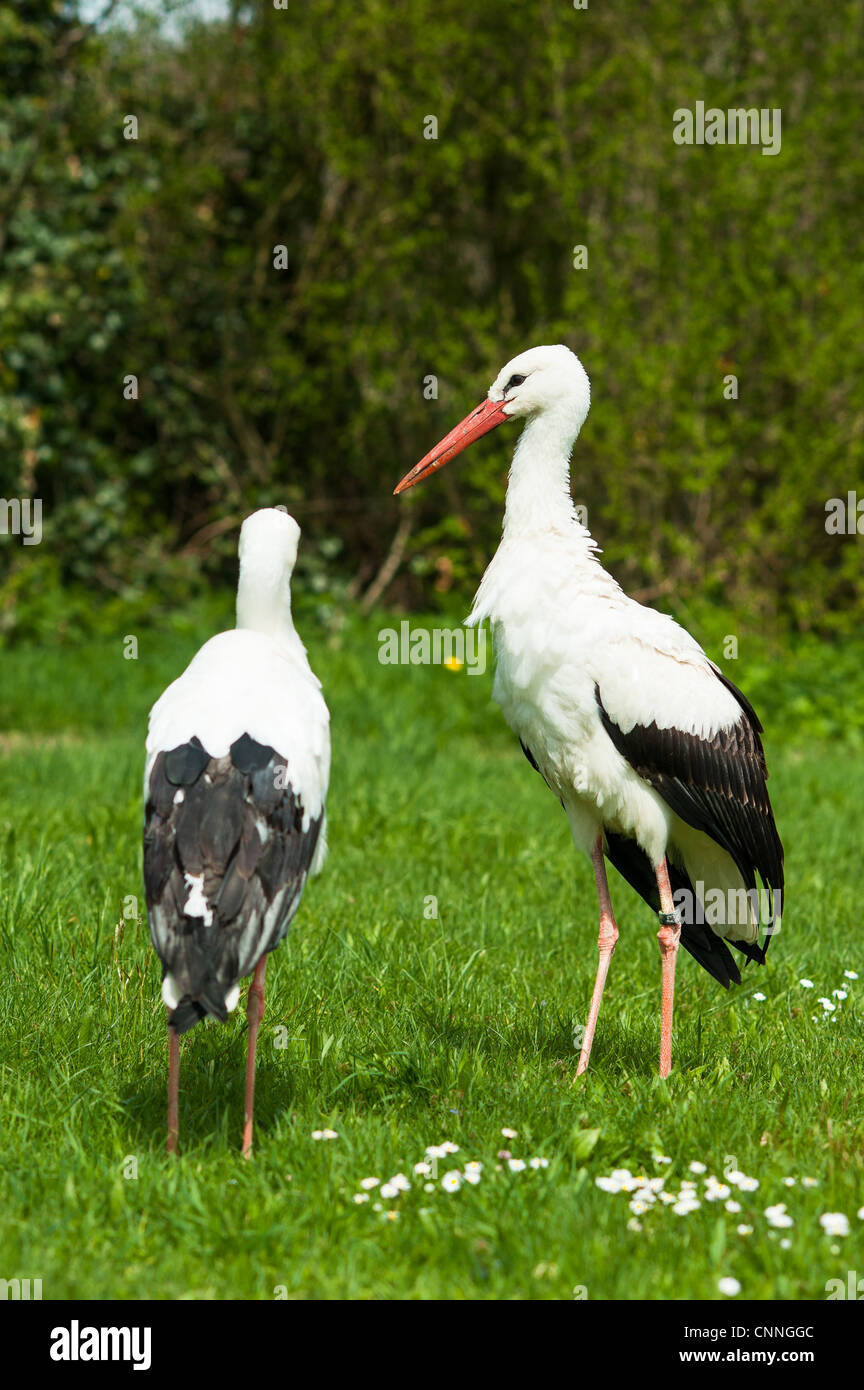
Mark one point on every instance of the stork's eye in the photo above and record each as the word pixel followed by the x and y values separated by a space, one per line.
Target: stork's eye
pixel 515 380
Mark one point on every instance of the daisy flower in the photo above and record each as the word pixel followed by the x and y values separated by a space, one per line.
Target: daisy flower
pixel 834 1223
pixel 451 1182
pixel 729 1286
pixel 777 1216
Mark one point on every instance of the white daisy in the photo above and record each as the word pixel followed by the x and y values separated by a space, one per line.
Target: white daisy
pixel 777 1216
pixel 451 1182
pixel 834 1223
pixel 607 1184
pixel 729 1286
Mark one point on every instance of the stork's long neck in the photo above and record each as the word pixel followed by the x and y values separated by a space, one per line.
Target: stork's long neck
pixel 538 490
pixel 264 597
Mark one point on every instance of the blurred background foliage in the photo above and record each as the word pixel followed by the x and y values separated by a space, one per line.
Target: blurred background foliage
pixel 406 258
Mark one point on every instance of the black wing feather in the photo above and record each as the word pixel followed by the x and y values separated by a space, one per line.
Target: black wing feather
pixel 237 821
pixel 717 785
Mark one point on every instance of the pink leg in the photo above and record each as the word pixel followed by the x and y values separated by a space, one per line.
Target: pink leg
pixel 606 946
pixel 254 1013
pixel 669 936
pixel 173 1089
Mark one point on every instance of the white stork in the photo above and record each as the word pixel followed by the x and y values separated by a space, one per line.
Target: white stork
pixel 238 759
pixel 652 751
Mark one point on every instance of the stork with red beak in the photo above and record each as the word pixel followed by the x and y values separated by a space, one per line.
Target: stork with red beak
pixel 654 754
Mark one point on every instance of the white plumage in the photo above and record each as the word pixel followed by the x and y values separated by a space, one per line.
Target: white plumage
pixel 653 753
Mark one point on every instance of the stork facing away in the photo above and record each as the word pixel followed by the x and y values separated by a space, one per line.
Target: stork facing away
pixel 654 754
pixel 238 759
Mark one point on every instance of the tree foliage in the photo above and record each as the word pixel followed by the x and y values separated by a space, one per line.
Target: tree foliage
pixel 409 257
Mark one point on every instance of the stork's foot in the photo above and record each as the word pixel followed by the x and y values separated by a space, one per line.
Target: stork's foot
pixel 254 1013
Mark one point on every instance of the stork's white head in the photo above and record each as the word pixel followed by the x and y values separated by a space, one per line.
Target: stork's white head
pixel 544 379
pixel 549 381
pixel 268 551
pixel 270 536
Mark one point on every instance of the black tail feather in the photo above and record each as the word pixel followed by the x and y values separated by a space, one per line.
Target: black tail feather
pixel 190 1011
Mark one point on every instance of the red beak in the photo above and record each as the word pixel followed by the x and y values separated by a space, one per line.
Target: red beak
pixel 487 416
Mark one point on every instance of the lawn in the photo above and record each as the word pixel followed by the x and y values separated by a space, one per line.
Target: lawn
pixel 400 1029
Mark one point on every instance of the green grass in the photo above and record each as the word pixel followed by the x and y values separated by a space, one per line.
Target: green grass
pixel 403 1030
